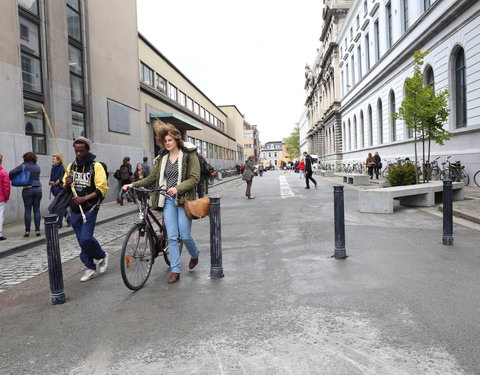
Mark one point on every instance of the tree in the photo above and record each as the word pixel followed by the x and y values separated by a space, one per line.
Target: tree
pixel 424 111
pixel 293 143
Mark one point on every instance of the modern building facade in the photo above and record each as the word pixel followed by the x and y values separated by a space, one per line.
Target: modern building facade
pixel 377 41
pixel 322 84
pixel 168 95
pixel 251 141
pixel 67 56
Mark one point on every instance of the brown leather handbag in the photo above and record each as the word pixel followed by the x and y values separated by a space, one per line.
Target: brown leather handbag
pixel 197 208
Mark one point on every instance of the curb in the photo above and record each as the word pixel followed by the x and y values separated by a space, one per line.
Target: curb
pixel 41 240
pixel 463 215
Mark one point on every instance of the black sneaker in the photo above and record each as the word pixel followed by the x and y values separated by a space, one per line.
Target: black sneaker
pixel 3 238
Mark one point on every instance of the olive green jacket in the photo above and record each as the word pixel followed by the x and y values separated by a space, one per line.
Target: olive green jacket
pixel 188 176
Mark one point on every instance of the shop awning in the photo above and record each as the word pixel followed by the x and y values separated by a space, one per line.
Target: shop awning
pixel 174 119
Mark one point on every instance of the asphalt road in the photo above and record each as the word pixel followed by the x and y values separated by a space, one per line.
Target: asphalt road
pixel 402 303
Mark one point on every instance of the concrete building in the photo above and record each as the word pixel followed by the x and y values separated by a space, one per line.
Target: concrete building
pixel 322 85
pixel 303 126
pixel 167 94
pixel 251 141
pixel 78 58
pixel 272 153
pixel 377 41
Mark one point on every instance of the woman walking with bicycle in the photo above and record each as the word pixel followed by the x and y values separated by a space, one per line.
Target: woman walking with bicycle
pixel 178 169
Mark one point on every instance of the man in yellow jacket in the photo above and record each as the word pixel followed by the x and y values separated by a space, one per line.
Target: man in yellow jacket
pixel 89 180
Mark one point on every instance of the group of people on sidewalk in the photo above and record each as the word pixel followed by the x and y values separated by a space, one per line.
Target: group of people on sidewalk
pixel 304 166
pixel 124 175
pixel 373 164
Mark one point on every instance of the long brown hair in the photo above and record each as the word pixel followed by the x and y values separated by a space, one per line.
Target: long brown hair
pixel 162 130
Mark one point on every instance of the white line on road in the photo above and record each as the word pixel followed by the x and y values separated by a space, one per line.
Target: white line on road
pixel 285 190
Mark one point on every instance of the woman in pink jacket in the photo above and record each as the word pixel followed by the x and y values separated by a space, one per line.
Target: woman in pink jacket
pixel 4 194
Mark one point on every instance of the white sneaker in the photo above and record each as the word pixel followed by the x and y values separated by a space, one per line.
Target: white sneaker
pixel 89 274
pixel 104 263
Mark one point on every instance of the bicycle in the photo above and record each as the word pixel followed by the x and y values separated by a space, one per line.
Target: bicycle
pixel 454 171
pixel 476 178
pixel 142 244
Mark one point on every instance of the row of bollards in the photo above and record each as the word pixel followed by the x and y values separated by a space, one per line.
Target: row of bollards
pixel 340 251
pixel 57 293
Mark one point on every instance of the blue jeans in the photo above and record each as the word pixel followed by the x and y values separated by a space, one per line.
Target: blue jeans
pixel 31 199
pixel 90 248
pixel 178 223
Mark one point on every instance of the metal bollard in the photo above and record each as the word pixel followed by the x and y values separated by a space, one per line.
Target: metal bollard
pixel 339 218
pixel 216 268
pixel 57 294
pixel 447 212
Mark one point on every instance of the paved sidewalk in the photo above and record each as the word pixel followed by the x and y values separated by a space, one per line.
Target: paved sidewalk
pixel 108 211
pixel 468 209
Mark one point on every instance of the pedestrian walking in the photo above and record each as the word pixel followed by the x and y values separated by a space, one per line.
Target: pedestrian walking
pixel 124 176
pixel 301 168
pixel 260 170
pixel 205 171
pixel 370 164
pixel 4 195
pixel 308 170
pixel 56 185
pixel 139 173
pixel 89 180
pixel 145 166
pixel 32 193
pixel 248 176
pixel 178 170
pixel 378 164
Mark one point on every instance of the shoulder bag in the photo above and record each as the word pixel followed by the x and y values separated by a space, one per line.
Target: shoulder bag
pixel 198 208
pixel 22 179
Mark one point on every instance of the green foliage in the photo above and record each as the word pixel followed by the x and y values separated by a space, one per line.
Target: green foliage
pixel 401 175
pixel 423 110
pixel 293 143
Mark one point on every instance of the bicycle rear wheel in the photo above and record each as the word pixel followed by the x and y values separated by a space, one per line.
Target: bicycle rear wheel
pixel 166 248
pixel 137 256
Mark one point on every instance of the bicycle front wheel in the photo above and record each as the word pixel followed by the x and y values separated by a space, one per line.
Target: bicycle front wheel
pixel 476 178
pixel 464 177
pixel 137 256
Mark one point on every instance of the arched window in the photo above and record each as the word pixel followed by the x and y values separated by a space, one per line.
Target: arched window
pixel 380 121
pixel 393 122
pixel 362 131
pixel 429 77
pixel 349 136
pixel 355 134
pixel 370 126
pixel 460 90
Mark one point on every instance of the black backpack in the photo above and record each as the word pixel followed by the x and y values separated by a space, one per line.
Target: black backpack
pixel 124 173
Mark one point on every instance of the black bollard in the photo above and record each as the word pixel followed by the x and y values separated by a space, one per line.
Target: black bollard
pixel 57 294
pixel 216 268
pixel 339 218
pixel 447 212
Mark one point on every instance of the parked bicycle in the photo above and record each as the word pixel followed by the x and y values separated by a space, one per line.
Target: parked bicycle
pixel 143 244
pixel 476 178
pixel 454 171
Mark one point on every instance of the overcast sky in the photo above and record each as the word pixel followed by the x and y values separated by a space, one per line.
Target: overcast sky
pixel 250 53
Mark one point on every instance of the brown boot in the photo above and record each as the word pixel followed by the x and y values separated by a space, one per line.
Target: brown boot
pixel 118 201
pixel 173 277
pixel 192 263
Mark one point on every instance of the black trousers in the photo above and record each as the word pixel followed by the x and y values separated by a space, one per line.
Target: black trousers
pixel 308 176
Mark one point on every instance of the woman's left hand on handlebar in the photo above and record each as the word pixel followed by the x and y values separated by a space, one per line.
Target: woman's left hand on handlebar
pixel 126 187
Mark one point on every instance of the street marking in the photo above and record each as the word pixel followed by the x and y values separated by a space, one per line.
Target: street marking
pixel 285 190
